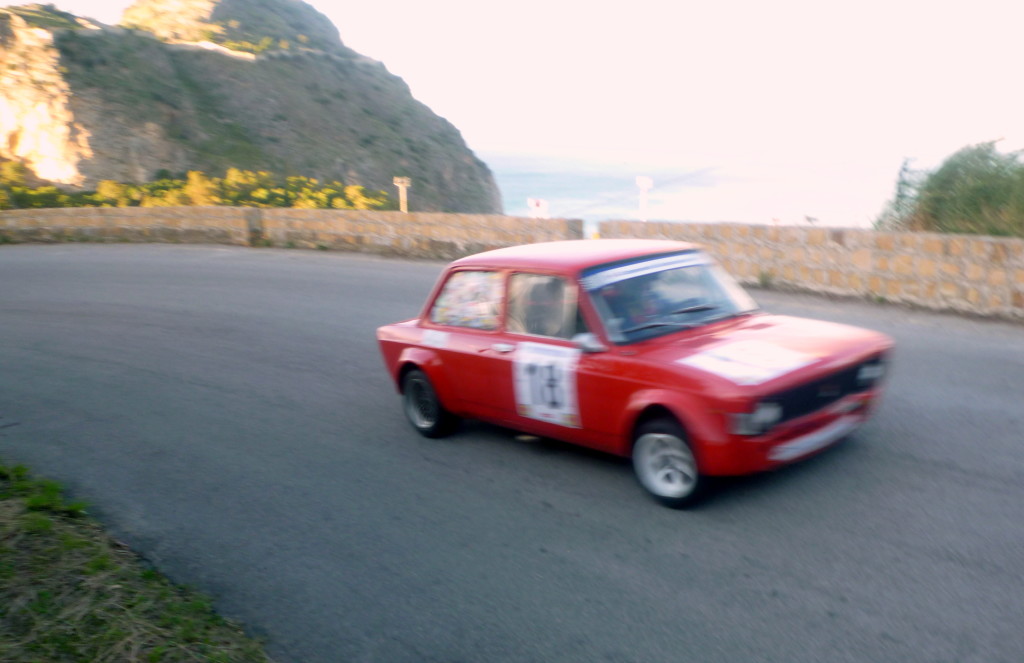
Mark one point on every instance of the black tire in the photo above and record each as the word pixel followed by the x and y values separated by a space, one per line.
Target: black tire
pixel 423 408
pixel 665 464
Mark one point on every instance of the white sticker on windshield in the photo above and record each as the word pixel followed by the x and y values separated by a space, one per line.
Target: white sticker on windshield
pixel 748 362
pixel 615 274
pixel 545 383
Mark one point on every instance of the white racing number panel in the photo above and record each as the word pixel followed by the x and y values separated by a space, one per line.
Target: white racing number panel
pixel 545 383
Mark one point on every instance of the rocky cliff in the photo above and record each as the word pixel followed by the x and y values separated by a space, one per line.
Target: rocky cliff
pixel 211 84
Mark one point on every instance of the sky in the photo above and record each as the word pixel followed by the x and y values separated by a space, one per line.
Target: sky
pixel 749 110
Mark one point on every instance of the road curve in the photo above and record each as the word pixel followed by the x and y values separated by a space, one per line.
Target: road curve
pixel 227 415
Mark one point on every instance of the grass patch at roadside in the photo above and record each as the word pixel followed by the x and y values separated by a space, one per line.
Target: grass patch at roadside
pixel 69 592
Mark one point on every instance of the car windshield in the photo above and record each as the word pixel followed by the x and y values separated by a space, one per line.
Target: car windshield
pixel 653 296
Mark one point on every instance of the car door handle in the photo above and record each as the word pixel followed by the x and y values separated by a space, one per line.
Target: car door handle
pixel 503 347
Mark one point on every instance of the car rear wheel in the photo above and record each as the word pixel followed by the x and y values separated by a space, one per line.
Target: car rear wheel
pixel 422 406
pixel 665 464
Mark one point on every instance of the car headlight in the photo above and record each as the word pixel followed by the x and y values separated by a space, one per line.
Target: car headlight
pixel 870 373
pixel 758 422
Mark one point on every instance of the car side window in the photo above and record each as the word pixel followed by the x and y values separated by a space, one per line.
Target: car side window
pixel 469 299
pixel 542 305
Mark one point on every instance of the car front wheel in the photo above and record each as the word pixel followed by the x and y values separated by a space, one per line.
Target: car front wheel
pixel 422 406
pixel 665 464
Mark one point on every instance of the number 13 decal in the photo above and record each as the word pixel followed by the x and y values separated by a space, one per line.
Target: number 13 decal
pixel 545 383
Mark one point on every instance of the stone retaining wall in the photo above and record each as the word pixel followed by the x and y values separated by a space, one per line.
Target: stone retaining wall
pixel 418 235
pixel 979 275
pixel 964 273
pixel 217 225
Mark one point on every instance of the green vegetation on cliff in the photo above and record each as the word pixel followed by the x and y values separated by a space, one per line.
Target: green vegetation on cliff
pixel 45 16
pixel 254 26
pixel 238 188
pixel 977 190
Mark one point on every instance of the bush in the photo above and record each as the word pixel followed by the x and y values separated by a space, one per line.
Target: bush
pixel 977 190
pixel 238 188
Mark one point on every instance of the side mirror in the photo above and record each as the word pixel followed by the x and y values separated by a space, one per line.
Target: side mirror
pixel 589 343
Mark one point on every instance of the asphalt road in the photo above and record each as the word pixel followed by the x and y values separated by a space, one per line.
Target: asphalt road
pixel 226 413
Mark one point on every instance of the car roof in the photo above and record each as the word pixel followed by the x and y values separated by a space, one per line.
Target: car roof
pixel 573 255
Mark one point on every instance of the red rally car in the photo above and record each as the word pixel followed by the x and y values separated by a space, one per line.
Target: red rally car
pixel 641 348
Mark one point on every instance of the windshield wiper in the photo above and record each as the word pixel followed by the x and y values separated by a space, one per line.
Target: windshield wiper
pixel 726 316
pixel 652 325
pixel 695 308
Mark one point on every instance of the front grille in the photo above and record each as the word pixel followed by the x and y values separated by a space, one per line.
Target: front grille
pixel 821 393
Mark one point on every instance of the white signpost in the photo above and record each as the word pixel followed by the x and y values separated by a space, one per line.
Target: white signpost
pixel 645 184
pixel 538 208
pixel 403 183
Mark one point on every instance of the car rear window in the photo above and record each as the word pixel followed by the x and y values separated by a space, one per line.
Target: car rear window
pixel 469 299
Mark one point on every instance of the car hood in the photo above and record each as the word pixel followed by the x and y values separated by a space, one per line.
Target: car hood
pixel 763 353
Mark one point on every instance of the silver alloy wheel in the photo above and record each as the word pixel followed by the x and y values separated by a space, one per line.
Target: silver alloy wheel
pixel 421 404
pixel 665 465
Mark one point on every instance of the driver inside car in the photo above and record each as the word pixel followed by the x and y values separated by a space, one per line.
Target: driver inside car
pixel 635 300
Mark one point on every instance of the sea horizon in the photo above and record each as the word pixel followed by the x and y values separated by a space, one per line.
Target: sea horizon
pixel 606 189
